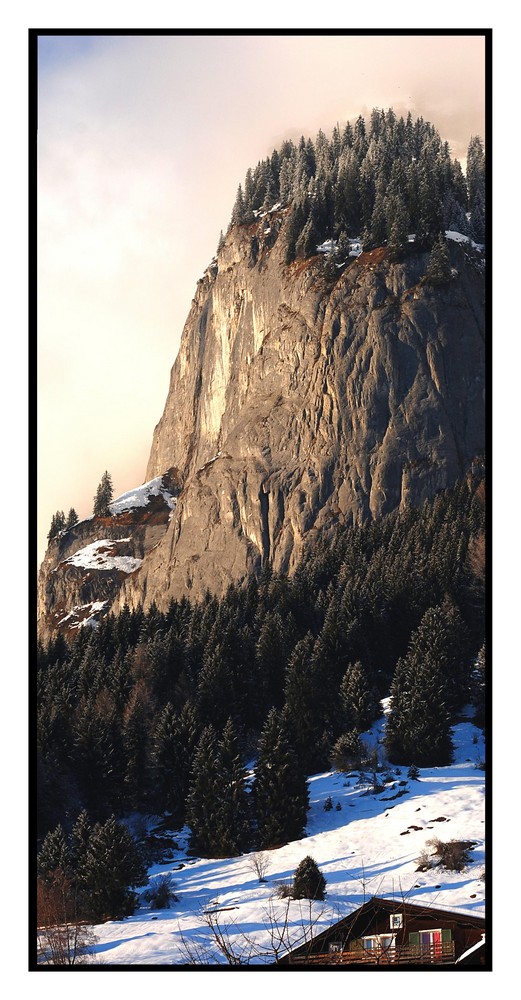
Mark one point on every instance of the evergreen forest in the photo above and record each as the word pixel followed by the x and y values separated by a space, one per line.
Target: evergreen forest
pixel 160 712
pixel 378 180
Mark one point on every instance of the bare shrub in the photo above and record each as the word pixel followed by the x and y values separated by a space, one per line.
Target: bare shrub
pixel 453 855
pixel 160 893
pixel 424 861
pixel 284 891
pixel 62 938
pixel 259 864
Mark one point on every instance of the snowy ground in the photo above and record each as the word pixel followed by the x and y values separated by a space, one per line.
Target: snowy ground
pixel 140 496
pixel 103 555
pixel 369 846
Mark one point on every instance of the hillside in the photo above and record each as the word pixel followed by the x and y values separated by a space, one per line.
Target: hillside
pixel 369 846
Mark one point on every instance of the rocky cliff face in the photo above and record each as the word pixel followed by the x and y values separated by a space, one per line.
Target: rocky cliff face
pixel 85 567
pixel 298 400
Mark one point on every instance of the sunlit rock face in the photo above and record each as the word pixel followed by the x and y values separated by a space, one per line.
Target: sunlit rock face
pixel 85 567
pixel 300 399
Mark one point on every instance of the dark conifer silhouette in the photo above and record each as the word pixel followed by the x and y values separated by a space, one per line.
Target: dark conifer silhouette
pixel 308 881
pixel 104 495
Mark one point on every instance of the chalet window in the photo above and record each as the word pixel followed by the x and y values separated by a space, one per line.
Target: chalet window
pixel 396 921
pixel 430 942
pixel 378 942
pixel 335 946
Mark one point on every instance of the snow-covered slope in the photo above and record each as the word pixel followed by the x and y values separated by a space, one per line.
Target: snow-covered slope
pixel 140 496
pixel 365 845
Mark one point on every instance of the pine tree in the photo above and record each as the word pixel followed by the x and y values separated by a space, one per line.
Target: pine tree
pixel 308 881
pixel 439 269
pixel 97 752
pixel 103 498
pixel 204 802
pixel 476 187
pixel 113 867
pixel 348 752
pixel 72 519
pixel 174 743
pixel 294 227
pixel 280 793
pixel 80 838
pixel 306 244
pixel 306 705
pixel 358 698
pixel 397 227
pixel 478 692
pixel 271 656
pixel 57 524
pixel 418 728
pixel 240 213
pixel 135 745
pixel 215 691
pixel 54 855
pixel 233 826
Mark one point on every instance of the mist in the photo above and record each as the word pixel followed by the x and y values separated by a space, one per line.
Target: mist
pixel 142 143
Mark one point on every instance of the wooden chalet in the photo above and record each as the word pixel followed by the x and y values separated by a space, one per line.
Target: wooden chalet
pixel 386 932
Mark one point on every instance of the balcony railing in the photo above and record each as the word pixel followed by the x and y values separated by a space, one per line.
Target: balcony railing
pixel 440 953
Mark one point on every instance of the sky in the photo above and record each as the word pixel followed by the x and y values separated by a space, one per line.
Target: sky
pixel 142 142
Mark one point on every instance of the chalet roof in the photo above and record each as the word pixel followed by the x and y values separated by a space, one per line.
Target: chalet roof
pixel 377 903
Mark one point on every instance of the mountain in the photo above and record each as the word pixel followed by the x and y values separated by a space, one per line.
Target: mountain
pixel 304 395
pixel 307 550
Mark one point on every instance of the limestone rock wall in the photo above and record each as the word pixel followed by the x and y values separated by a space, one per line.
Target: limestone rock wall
pixel 296 401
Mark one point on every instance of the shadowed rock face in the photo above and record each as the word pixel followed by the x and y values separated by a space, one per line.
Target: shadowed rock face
pixel 297 402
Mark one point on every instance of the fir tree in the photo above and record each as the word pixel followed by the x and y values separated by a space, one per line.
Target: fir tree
pixel 358 698
pixel 306 244
pixel 215 692
pixel 135 747
pixel 476 187
pixel 280 792
pixel 418 729
pixel 478 690
pixel 348 753
pixel 113 867
pixel 204 802
pixel 439 269
pixel 80 838
pixel 271 656
pixel 306 705
pixel 57 524
pixel 103 498
pixel 97 752
pixel 397 227
pixel 72 519
pixel 240 213
pixel 233 826
pixel 174 743
pixel 54 855
pixel 308 881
